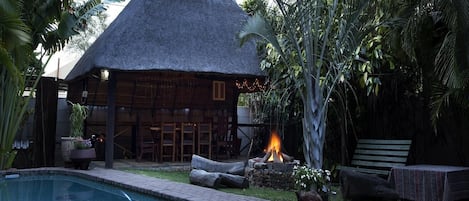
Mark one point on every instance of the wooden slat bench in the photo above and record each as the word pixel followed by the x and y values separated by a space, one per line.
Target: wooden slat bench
pixel 378 156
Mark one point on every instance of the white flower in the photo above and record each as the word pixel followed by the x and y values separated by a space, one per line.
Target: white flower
pixel 306 177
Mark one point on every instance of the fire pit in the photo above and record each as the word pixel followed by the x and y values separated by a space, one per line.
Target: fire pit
pixel 274 170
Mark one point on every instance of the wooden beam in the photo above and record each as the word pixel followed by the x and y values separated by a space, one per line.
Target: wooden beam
pixel 45 125
pixel 111 120
pixel 133 97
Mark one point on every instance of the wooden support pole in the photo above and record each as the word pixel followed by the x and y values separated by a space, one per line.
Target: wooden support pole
pixel 45 123
pixel 111 120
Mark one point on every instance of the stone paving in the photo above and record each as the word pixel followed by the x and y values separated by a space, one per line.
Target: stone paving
pixel 149 185
pixel 164 188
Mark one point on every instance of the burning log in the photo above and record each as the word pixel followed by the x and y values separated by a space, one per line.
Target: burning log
pixel 273 152
pixel 266 157
pixel 277 158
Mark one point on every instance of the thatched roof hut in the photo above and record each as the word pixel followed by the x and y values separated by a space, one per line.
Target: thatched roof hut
pixel 173 35
pixel 167 55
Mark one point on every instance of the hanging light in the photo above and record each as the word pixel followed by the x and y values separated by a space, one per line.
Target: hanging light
pixel 104 74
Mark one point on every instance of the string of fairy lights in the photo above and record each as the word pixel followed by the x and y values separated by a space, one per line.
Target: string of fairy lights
pixel 256 85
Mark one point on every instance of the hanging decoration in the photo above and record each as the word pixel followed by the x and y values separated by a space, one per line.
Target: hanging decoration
pixel 251 86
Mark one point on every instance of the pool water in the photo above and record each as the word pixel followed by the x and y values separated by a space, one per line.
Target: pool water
pixel 64 188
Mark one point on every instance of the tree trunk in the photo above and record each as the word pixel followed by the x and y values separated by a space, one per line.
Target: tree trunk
pixel 314 125
pixel 236 168
pixel 217 179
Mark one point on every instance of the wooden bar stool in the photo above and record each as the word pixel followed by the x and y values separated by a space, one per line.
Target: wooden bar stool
pixel 168 141
pixel 204 142
pixel 146 144
pixel 187 140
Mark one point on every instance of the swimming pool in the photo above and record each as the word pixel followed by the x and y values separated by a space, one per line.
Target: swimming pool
pixel 48 187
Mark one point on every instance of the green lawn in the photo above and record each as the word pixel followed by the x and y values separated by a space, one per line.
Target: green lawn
pixel 265 193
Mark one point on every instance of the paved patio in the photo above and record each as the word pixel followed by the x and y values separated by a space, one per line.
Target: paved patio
pixel 158 187
pixel 162 187
pixel 120 164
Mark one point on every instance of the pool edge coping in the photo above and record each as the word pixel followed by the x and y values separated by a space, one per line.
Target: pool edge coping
pixel 117 177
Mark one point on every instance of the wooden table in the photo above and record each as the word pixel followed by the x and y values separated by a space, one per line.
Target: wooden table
pixel 431 182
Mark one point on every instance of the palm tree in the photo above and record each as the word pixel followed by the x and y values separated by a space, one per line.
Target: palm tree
pixel 316 44
pixel 14 43
pixel 435 35
pixel 24 25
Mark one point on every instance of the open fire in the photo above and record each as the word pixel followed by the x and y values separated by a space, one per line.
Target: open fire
pixel 273 151
pixel 274 169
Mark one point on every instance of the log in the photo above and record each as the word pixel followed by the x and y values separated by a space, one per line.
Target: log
pixel 216 179
pixel 236 168
pixel 276 157
pixel 234 181
pixel 266 156
pixel 203 178
pixel 287 158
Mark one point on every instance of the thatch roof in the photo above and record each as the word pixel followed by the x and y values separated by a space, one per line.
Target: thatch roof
pixel 175 35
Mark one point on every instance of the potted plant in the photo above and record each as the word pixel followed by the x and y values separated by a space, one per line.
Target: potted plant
pixel 310 181
pixel 77 115
pixel 83 153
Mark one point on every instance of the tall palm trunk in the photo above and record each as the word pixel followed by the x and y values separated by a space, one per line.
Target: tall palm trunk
pixel 314 124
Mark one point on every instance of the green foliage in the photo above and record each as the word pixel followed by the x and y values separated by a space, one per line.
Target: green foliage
pixel 54 22
pixel 13 47
pixel 309 53
pixel 253 6
pixel 177 176
pixel 264 193
pixel 435 39
pixel 77 116
pixel 81 42
pixel 308 178
pixel 24 25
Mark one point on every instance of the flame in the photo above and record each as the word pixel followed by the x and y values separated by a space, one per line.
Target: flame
pixel 274 147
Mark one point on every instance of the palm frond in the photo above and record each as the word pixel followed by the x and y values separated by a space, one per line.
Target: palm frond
pixel 462 28
pixel 14 31
pixel 445 62
pixel 6 61
pixel 439 99
pixel 54 35
pixel 256 26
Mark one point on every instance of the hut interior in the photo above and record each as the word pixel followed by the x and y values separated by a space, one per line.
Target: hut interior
pixel 146 100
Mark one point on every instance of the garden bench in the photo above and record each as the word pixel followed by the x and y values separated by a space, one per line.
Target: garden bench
pixel 378 156
pixel 371 161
